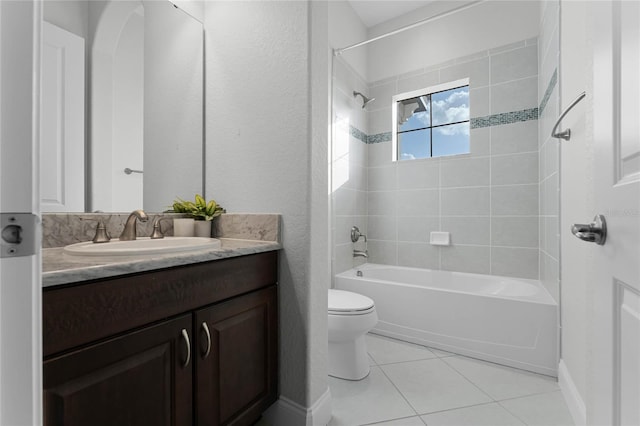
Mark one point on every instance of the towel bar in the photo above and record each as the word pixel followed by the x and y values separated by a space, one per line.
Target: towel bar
pixel 566 135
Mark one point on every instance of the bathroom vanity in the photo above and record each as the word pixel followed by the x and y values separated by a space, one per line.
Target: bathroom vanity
pixel 193 342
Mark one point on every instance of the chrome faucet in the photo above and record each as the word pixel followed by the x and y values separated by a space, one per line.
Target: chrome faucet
pixel 361 253
pixel 129 231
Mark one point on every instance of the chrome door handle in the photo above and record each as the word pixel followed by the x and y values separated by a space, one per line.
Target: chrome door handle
pixel 205 328
pixel 594 232
pixel 185 338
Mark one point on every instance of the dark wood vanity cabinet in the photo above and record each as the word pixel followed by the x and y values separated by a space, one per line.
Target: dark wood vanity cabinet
pixel 134 379
pixel 200 348
pixel 235 371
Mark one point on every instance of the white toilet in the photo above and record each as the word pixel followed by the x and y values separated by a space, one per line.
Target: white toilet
pixel 351 316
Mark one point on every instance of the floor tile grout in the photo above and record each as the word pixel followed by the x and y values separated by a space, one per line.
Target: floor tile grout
pixel 449 361
pixel 399 391
pixel 469 380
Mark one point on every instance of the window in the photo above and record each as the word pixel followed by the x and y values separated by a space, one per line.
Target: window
pixel 432 122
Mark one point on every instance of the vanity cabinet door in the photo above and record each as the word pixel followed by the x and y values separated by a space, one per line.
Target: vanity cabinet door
pixel 141 378
pixel 236 361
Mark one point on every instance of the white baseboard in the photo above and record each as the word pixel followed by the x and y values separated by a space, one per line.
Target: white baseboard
pixel 286 412
pixel 572 397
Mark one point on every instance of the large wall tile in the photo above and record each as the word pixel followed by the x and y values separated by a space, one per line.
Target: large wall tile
pixel 380 121
pixel 418 255
pixel 419 202
pixel 549 270
pixel 517 200
pixel 418 174
pixel 382 203
pixel 477 71
pixel 417 82
pixel 379 154
pixel 514 64
pixel 467 230
pixel 465 172
pixel 514 169
pixel 514 95
pixel 417 229
pixel 549 196
pixel 382 228
pixel 382 94
pixel 515 231
pixel 514 138
pixel 474 259
pixel 515 262
pixel 479 101
pixel 465 201
pixel 384 252
pixel 382 178
pixel 480 142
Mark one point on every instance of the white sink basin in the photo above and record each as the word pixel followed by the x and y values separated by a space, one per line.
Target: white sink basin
pixel 143 245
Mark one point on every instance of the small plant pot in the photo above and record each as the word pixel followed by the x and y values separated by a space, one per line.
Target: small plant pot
pixel 183 227
pixel 203 228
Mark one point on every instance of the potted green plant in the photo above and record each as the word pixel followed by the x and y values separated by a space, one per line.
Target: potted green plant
pixel 202 211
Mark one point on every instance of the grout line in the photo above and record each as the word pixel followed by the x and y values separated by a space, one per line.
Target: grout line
pixel 512 413
pixel 460 408
pixel 392 420
pixel 469 380
pixel 401 394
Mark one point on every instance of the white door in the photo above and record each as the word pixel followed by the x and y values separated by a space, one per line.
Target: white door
pixel 616 127
pixel 20 286
pixel 62 144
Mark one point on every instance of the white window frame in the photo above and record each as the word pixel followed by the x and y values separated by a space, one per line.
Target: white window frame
pixel 414 94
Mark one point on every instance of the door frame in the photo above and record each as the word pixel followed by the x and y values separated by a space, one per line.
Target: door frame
pixel 20 277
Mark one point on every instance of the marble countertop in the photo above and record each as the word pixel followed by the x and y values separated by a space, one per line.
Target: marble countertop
pixel 61 268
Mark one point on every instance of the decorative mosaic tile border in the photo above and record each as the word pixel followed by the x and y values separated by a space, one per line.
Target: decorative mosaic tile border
pixel 505 118
pixel 476 123
pixel 547 94
pixel 380 137
pixel 358 134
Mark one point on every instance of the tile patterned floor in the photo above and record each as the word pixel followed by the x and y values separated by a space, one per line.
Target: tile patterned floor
pixel 410 385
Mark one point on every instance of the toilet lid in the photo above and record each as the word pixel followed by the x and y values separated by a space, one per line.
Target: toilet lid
pixel 346 301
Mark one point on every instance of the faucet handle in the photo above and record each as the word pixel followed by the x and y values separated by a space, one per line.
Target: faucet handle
pixel 157 230
pixel 101 235
pixel 356 235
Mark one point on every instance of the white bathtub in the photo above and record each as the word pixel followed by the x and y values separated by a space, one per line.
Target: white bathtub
pixel 509 321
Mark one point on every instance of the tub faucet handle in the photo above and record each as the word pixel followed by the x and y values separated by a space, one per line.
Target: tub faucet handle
pixel 356 235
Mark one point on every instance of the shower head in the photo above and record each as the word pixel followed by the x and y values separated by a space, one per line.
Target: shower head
pixel 365 100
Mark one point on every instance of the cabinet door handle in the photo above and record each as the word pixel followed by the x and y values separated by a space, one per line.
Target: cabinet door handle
pixel 206 332
pixel 185 337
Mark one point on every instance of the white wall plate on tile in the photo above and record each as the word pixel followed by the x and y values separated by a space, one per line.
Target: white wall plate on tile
pixel 440 239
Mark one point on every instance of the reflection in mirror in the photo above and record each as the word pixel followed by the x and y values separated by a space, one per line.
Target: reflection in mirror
pixel 144 107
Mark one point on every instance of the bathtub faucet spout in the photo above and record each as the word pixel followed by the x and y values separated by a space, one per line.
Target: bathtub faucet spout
pixel 361 253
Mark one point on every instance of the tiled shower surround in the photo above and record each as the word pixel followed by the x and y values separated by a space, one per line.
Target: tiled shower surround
pixel 549 175
pixel 488 200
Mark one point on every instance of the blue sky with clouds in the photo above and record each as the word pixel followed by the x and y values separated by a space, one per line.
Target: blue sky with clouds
pixel 447 107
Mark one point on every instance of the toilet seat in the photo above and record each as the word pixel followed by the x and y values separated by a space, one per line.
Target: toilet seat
pixel 347 303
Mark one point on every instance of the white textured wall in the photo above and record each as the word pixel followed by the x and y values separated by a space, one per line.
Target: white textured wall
pixel 347 29
pixel 260 159
pixel 577 198
pixel 483 26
